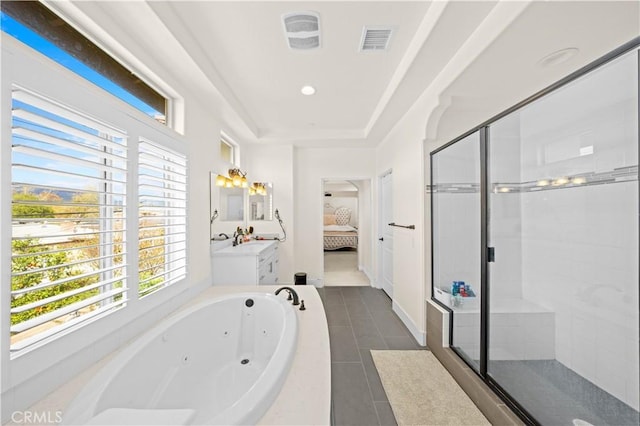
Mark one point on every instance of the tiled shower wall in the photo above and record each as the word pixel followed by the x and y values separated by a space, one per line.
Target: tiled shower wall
pixel 585 269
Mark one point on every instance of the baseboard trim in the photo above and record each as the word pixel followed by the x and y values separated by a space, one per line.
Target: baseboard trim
pixel 365 271
pixel 420 336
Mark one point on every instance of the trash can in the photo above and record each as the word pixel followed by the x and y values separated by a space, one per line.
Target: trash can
pixel 300 278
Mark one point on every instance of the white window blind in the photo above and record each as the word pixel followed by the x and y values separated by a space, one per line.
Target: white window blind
pixel 68 179
pixel 162 190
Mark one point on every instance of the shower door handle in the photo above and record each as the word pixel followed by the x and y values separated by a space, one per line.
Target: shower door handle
pixel 491 254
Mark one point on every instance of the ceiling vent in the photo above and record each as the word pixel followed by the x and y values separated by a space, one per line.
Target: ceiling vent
pixel 302 30
pixel 375 39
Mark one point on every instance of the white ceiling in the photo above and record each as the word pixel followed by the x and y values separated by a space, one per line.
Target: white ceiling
pixel 475 57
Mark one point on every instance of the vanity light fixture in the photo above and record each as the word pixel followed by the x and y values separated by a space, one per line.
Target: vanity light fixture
pixel 258 188
pixel 237 178
pixel 308 90
pixel 543 182
pixel 579 180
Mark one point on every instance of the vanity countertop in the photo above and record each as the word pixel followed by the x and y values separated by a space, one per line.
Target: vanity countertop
pixel 252 248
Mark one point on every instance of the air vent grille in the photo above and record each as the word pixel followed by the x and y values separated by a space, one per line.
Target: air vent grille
pixel 304 43
pixel 297 23
pixel 375 38
pixel 302 30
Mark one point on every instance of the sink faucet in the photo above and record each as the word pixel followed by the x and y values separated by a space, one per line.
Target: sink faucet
pixel 237 234
pixel 292 293
pixel 226 237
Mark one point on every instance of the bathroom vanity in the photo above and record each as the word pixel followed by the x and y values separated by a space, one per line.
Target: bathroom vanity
pixel 252 263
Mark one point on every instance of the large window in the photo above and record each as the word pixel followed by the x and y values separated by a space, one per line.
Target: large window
pixel 68 192
pixel 162 178
pixel 98 203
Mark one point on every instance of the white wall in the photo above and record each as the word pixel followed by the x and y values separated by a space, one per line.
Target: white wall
pixel 275 164
pixel 311 166
pixel 402 153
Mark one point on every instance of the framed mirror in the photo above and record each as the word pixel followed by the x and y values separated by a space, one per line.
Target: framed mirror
pixel 228 202
pixel 261 201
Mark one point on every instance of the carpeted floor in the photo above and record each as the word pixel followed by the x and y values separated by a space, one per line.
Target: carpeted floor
pixel 422 392
pixel 341 268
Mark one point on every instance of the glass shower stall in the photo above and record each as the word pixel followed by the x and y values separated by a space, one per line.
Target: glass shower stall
pixel 535 236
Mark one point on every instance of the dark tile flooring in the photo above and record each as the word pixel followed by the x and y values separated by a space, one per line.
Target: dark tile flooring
pixel 360 319
pixel 556 395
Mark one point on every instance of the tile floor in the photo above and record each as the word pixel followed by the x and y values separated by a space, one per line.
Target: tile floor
pixel 341 268
pixel 555 395
pixel 360 319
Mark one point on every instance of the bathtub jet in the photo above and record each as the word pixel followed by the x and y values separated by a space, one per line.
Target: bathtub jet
pixel 222 361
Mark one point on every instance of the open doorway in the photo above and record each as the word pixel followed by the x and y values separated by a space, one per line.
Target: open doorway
pixel 346 229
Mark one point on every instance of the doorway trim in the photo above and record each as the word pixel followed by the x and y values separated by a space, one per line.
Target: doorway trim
pixel 370 269
pixel 380 231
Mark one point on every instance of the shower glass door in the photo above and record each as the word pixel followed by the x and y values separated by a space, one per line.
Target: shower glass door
pixel 456 237
pixel 563 222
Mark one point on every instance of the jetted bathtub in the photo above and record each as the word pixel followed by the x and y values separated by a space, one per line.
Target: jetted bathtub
pixel 222 361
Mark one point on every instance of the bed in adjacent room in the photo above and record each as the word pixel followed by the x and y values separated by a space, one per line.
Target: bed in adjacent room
pixel 338 233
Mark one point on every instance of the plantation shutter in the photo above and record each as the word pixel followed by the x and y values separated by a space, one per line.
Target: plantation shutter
pixel 68 218
pixel 162 188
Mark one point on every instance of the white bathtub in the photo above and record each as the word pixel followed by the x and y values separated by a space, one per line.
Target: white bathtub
pixel 219 362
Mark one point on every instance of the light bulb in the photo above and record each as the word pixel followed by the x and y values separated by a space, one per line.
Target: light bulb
pixel 560 181
pixel 579 180
pixel 308 90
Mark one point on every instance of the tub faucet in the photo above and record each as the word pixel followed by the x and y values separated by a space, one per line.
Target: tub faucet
pixel 292 293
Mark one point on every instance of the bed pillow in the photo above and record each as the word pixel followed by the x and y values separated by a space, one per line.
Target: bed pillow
pixel 343 215
pixel 329 219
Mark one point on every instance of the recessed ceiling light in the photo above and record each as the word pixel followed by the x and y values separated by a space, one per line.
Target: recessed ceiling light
pixel 308 90
pixel 558 57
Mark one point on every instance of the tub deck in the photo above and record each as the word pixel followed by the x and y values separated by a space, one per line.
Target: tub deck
pixel 305 397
